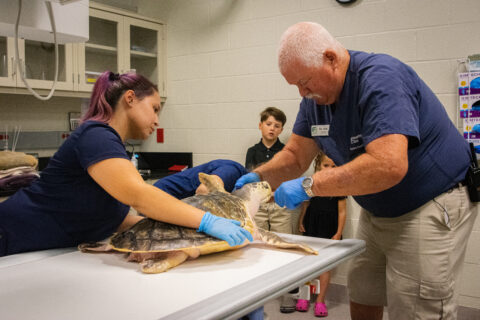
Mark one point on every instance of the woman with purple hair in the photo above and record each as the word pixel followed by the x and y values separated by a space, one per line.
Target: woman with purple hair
pixel 86 190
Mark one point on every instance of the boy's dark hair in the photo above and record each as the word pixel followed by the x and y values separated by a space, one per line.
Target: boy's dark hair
pixel 274 112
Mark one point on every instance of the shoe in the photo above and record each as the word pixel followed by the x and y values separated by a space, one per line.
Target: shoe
pixel 320 310
pixel 302 305
pixel 288 304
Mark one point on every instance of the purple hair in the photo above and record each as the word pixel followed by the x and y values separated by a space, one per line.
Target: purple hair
pixel 108 89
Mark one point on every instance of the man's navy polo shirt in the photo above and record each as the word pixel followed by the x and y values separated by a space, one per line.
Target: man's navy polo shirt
pixel 382 96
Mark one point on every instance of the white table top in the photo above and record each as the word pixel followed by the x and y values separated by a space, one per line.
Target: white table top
pixel 68 284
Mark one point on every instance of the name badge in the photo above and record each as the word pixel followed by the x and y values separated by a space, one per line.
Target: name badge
pixel 320 130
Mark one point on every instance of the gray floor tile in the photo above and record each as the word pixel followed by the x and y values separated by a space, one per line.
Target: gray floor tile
pixel 336 311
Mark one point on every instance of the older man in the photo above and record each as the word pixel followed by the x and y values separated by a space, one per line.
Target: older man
pixel 397 153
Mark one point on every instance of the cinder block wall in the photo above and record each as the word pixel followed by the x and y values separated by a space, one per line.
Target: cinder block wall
pixel 222 71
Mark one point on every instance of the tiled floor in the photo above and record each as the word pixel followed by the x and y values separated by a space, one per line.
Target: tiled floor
pixel 336 311
pixel 341 311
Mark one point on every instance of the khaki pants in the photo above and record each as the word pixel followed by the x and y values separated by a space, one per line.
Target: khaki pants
pixel 412 263
pixel 272 217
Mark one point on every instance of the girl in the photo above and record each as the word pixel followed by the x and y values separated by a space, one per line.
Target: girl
pixel 85 192
pixel 322 217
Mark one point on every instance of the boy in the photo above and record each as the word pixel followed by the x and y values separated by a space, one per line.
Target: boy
pixel 271 125
pixel 270 216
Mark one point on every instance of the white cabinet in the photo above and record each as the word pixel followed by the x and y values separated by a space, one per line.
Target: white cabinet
pixel 7 77
pixel 103 49
pixel 145 50
pixel 119 41
pixel 38 61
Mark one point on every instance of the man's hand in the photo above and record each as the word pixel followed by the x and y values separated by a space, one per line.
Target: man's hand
pixel 246 178
pixel 290 194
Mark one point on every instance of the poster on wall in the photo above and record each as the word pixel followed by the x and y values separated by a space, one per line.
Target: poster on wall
pixel 469 102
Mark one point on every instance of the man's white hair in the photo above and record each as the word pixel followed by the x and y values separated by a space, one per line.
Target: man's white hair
pixel 306 42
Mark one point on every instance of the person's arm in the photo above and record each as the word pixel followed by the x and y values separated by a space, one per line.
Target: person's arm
pixel 303 210
pixel 122 181
pixel 290 162
pixel 342 215
pixel 383 165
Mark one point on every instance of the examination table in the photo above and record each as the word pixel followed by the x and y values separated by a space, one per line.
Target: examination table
pixel 68 284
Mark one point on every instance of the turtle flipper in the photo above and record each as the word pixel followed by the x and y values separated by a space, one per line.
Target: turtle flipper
pixel 170 260
pixel 211 182
pixel 274 240
pixel 95 247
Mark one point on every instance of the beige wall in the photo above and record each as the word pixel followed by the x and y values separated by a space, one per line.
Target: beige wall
pixel 222 72
pixel 30 114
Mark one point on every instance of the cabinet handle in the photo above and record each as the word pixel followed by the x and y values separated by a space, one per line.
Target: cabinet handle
pixel 14 69
pixel 23 67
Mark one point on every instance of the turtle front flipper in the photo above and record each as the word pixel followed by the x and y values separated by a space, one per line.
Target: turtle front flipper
pixel 211 182
pixel 274 240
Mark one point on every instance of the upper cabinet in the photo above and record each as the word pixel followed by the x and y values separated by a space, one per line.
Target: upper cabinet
pixel 38 61
pixel 6 60
pixel 144 50
pixel 104 49
pixel 119 41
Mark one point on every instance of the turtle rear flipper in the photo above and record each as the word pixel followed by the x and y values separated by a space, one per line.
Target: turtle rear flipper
pixel 95 247
pixel 274 240
pixel 170 260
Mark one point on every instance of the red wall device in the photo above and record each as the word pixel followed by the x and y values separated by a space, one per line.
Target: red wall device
pixel 160 135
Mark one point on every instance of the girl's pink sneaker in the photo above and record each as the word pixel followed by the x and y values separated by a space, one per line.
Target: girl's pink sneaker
pixel 320 309
pixel 302 305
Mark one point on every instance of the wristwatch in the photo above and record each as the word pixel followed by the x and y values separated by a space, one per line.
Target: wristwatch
pixel 307 185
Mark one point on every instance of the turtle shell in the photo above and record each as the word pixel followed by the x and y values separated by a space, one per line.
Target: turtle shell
pixel 149 235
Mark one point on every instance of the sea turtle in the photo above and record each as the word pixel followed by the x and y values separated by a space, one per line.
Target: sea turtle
pixel 159 246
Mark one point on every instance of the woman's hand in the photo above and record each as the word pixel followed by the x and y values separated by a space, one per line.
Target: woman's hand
pixel 224 229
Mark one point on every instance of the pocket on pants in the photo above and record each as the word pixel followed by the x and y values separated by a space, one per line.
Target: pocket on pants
pixel 436 290
pixel 436 300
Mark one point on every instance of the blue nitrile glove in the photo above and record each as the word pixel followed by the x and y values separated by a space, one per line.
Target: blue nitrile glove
pixel 246 178
pixel 225 229
pixel 291 194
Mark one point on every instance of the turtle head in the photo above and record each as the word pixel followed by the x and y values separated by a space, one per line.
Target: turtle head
pixel 260 191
